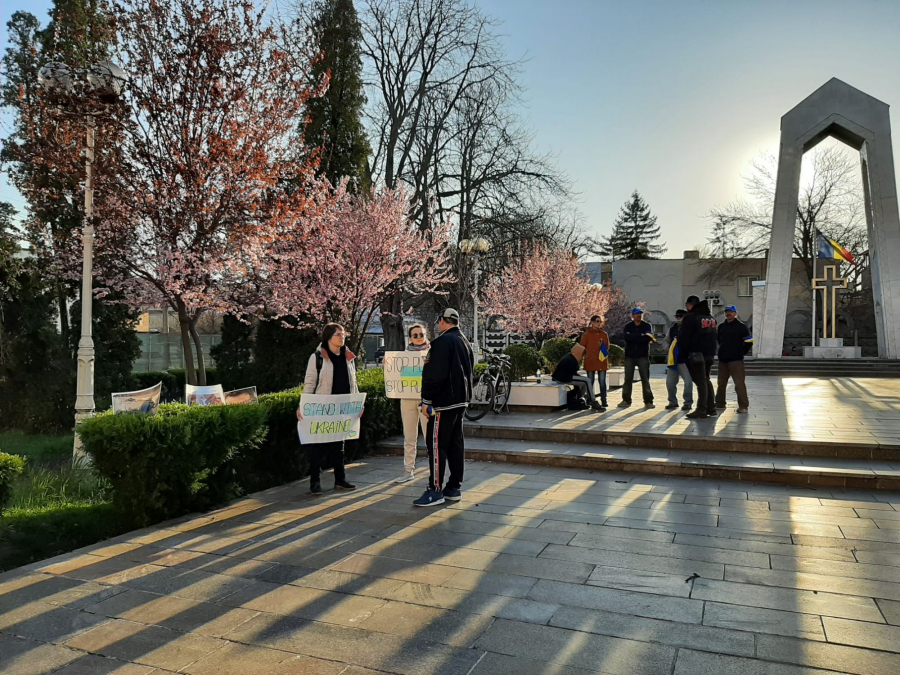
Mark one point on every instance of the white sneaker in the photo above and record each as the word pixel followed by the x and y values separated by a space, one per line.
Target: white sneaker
pixel 406 477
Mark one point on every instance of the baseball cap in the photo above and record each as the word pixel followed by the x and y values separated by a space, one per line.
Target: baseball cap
pixel 731 308
pixel 637 310
pixel 450 313
pixel 680 313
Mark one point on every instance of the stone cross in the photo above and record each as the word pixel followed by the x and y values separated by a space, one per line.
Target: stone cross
pixel 830 281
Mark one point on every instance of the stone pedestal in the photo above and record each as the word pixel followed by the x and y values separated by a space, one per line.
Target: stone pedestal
pixel 832 348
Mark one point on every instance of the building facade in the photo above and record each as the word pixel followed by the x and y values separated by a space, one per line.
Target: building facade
pixel 663 285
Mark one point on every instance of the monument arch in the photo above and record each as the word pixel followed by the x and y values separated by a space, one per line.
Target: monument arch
pixel 836 110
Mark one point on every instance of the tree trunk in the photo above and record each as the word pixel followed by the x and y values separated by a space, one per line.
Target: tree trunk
pixel 392 323
pixel 62 302
pixel 201 365
pixel 185 325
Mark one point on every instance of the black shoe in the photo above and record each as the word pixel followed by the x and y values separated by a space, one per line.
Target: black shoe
pixel 343 485
pixel 672 407
pixel 650 405
pixel 696 415
pixel 315 487
pixel 686 407
pixel 594 406
pixel 712 413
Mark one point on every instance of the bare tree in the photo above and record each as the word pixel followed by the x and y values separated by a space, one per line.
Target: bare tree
pixel 831 201
pixel 442 96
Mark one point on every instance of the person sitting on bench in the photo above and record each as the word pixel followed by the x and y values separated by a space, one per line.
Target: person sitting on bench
pixel 567 373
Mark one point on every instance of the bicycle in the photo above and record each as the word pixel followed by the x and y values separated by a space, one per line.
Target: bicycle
pixel 492 388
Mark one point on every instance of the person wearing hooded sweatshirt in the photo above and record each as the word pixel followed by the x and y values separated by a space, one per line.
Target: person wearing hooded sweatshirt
pixel 410 410
pixel 698 341
pixel 329 372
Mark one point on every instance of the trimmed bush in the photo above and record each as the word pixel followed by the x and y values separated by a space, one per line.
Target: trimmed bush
pixel 616 355
pixel 174 462
pixel 524 360
pixel 479 369
pixel 10 467
pixel 554 349
pixel 190 458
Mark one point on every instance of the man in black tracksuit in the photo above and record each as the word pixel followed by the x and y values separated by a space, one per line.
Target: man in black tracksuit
pixel 446 391
pixel 698 342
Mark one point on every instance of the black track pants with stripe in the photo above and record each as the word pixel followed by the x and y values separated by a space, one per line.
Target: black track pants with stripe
pixel 446 447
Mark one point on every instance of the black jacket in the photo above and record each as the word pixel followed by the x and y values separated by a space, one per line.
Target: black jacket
pixel 447 374
pixel 734 341
pixel 637 339
pixel 566 369
pixel 698 332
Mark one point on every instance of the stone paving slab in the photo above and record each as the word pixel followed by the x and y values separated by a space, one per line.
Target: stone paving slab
pixel 545 570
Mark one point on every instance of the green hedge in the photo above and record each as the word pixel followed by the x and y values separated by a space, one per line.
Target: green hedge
pixel 10 467
pixel 554 349
pixel 171 463
pixel 525 361
pixel 616 355
pixel 189 458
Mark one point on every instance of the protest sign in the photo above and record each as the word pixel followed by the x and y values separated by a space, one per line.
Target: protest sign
pixel 241 396
pixel 209 395
pixel 143 401
pixel 403 374
pixel 329 418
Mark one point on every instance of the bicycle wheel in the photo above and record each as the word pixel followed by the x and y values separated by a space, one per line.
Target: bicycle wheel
pixel 502 392
pixel 482 398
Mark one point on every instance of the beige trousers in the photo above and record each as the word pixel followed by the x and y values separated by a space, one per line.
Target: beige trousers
pixel 412 418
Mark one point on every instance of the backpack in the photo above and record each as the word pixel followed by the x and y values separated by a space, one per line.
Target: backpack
pixel 575 399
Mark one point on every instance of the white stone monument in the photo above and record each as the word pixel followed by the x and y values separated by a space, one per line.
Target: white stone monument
pixel 862 122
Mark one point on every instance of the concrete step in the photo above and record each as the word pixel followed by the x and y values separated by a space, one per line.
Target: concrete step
pixel 710 464
pixel 588 429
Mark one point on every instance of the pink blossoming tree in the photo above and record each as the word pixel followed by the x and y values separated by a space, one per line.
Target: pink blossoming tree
pixel 547 295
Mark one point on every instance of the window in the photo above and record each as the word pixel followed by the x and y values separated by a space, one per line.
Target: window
pixel 745 286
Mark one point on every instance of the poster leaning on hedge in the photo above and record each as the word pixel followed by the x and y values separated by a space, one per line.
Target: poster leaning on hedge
pixel 327 419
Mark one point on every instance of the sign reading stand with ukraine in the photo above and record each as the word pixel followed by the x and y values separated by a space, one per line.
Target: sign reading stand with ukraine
pixel 330 418
pixel 403 374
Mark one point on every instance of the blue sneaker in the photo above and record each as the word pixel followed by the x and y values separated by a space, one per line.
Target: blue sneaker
pixel 429 498
pixel 452 495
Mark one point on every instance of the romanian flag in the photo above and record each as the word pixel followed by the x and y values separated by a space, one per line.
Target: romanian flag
pixel 604 351
pixel 829 248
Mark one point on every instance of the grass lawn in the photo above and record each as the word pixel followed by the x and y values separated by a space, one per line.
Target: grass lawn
pixel 54 508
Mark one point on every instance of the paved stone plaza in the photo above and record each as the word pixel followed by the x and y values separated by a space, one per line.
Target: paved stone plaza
pixel 538 570
pixel 856 410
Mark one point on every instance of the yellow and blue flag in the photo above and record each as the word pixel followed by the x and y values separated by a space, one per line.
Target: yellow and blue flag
pixel 604 351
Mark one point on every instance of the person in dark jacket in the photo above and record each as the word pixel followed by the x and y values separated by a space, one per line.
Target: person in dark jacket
pixel 735 342
pixel 638 336
pixel 677 368
pixel 446 391
pixel 698 342
pixel 566 372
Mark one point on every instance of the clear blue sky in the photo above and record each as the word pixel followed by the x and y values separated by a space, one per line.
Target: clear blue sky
pixel 675 97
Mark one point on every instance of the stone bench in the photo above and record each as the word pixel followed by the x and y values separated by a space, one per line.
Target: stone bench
pixel 534 396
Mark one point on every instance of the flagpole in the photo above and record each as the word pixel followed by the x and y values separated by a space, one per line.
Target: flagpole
pixel 812 284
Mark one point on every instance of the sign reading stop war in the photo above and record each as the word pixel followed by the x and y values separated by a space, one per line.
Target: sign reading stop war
pixel 329 418
pixel 403 374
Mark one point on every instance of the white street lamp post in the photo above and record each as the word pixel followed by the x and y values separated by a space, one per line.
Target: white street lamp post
pixel 95 89
pixel 475 247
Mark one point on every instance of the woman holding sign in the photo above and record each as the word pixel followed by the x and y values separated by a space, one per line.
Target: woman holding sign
pixel 410 410
pixel 330 372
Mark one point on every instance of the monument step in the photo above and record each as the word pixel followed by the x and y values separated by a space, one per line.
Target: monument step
pixel 709 464
pixel 802 367
pixel 603 430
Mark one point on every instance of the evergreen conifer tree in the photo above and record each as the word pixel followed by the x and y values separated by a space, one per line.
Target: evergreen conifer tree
pixel 635 233
pixel 335 119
